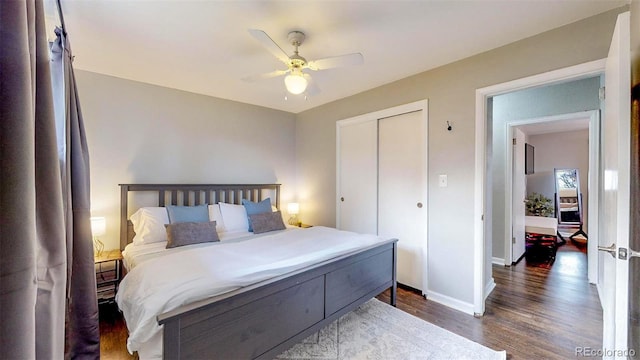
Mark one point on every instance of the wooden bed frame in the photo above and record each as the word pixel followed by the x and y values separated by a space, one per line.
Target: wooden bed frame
pixel 262 320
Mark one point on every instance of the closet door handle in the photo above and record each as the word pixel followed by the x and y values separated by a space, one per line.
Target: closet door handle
pixel 419 205
pixel 342 199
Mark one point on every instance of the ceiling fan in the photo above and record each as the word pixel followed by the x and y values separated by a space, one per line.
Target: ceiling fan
pixel 297 81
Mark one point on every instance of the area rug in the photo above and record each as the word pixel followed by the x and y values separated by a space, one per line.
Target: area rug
pixel 376 330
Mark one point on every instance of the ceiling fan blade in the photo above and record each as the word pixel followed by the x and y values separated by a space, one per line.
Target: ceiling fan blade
pixel 336 61
pixel 269 75
pixel 312 87
pixel 270 45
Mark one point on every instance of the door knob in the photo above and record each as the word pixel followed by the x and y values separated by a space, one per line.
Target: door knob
pixel 624 254
pixel 610 249
pixel 419 205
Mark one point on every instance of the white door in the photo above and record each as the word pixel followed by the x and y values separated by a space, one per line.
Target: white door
pixel 519 194
pixel 357 202
pixel 402 192
pixel 615 210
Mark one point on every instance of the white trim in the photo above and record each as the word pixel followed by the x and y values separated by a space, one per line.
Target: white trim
pixel 570 73
pixel 497 261
pixel 489 288
pixel 456 304
pixel 593 186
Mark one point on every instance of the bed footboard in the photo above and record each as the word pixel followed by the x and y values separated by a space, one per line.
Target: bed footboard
pixel 262 320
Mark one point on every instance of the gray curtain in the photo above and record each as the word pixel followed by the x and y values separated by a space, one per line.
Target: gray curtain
pixel 83 336
pixel 46 264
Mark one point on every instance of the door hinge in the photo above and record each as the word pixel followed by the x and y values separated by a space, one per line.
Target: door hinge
pixel 515 142
pixel 602 93
pixel 513 240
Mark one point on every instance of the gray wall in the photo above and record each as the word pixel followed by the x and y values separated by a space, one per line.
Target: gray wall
pixel 141 133
pixel 451 93
pixel 570 97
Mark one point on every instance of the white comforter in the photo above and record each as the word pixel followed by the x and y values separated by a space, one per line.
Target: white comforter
pixel 163 283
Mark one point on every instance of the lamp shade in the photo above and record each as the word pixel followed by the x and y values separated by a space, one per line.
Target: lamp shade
pixel 98 225
pixel 293 208
pixel 295 83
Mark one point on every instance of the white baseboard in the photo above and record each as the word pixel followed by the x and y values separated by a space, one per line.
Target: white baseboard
pixel 497 261
pixel 445 300
pixel 489 288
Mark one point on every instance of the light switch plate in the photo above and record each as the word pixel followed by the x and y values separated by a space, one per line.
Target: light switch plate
pixel 442 180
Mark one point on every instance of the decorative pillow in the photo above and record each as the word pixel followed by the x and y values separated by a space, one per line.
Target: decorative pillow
pixel 234 217
pixel 253 208
pixel 148 224
pixel 178 214
pixel 264 222
pixel 189 233
pixel 216 215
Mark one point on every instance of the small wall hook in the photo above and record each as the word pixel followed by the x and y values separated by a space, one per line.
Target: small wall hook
pixel 449 127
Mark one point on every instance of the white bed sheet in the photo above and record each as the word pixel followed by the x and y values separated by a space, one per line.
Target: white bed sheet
pixel 163 280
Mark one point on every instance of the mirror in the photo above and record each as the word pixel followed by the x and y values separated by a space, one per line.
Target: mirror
pixel 568 196
pixel 569 200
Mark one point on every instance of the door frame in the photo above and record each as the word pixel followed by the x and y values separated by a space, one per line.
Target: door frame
pixel 509 180
pixel 480 213
pixel 592 189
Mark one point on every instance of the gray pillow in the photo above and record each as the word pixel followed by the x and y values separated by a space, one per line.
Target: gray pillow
pixel 265 222
pixel 189 233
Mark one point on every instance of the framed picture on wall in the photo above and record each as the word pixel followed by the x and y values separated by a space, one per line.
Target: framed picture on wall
pixel 528 159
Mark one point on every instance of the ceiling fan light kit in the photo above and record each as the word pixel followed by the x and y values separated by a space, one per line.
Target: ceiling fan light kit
pixel 296 80
pixel 295 83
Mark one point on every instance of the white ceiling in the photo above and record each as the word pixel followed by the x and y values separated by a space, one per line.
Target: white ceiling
pixel 204 47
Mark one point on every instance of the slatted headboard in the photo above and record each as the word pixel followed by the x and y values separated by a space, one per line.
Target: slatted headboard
pixel 192 194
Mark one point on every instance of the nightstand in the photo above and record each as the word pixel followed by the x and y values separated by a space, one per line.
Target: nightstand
pixel 108 275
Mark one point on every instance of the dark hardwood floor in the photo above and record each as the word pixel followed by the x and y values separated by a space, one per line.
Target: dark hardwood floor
pixel 535 312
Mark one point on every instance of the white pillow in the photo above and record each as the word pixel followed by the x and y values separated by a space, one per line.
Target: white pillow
pixel 234 217
pixel 216 215
pixel 148 223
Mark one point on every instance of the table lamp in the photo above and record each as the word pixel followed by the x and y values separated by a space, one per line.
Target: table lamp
pixel 98 227
pixel 293 209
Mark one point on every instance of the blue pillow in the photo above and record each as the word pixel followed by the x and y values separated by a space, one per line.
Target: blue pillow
pixel 179 214
pixel 253 208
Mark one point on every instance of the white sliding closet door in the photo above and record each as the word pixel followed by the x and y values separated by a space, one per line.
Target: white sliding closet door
pixel 402 203
pixel 358 177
